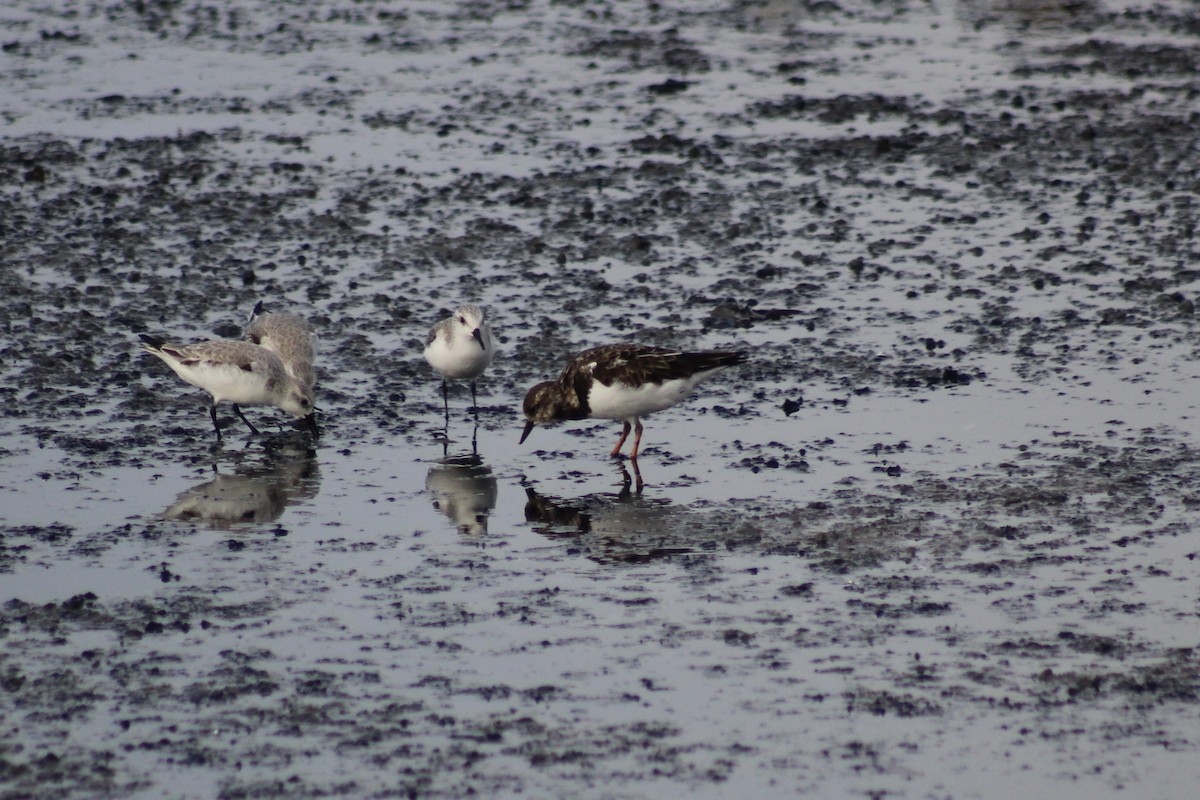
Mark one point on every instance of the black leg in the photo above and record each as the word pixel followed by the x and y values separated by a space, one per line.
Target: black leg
pixel 253 429
pixel 446 405
pixel 212 412
pixel 474 402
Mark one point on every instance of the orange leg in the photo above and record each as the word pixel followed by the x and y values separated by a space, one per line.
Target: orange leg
pixel 637 439
pixel 639 484
pixel 616 451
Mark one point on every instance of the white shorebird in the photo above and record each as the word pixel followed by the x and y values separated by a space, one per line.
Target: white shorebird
pixel 241 373
pixel 625 382
pixel 288 336
pixel 460 348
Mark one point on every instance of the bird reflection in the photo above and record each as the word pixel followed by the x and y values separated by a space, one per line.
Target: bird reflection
pixel 622 526
pixel 442 435
pixel 464 489
pixel 256 492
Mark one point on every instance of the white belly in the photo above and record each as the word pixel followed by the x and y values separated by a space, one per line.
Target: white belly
pixel 620 401
pixel 226 383
pixel 465 361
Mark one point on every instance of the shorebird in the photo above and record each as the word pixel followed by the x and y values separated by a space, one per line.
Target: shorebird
pixel 460 348
pixel 625 382
pixel 240 373
pixel 288 336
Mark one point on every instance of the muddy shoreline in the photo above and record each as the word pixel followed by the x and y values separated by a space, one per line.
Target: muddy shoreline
pixel 935 538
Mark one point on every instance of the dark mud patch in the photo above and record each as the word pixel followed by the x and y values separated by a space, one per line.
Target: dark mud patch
pixel 828 600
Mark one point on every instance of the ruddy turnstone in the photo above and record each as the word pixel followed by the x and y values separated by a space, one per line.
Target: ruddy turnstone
pixel 625 382
pixel 288 336
pixel 241 373
pixel 460 348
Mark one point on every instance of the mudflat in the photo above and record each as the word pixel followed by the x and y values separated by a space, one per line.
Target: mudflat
pixel 937 538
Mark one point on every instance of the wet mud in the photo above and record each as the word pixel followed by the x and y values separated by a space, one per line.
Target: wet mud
pixel 937 537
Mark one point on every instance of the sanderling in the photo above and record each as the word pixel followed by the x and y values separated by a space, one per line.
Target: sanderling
pixel 241 373
pixel 625 382
pixel 288 336
pixel 460 348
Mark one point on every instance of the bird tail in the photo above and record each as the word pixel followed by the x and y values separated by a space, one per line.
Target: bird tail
pixel 718 359
pixel 152 344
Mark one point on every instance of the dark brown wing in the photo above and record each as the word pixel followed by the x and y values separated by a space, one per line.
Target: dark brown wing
pixel 634 364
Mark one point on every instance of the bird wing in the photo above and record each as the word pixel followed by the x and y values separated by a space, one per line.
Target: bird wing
pixel 636 364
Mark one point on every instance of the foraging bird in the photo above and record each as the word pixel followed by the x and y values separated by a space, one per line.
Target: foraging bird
pixel 625 382
pixel 460 348
pixel 240 373
pixel 288 336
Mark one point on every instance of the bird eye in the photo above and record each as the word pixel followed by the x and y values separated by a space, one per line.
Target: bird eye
pixel 304 402
pixel 462 320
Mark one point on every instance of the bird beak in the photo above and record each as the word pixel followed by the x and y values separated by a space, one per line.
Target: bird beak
pixel 479 338
pixel 525 433
pixel 311 420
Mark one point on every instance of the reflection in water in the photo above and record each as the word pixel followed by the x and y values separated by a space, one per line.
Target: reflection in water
pixel 621 526
pixel 442 435
pixel 463 489
pixel 256 492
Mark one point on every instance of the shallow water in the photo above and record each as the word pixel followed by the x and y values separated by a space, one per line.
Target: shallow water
pixel 959 236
